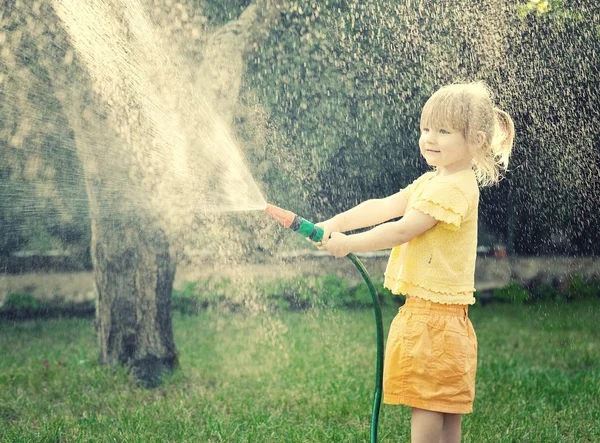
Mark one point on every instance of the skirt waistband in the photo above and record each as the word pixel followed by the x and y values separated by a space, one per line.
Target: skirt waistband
pixel 419 306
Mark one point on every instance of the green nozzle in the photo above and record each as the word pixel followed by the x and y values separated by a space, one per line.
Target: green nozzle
pixel 307 229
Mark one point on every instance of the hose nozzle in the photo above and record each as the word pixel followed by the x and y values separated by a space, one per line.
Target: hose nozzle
pixel 296 223
pixel 286 218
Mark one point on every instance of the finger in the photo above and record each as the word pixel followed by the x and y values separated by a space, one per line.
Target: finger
pixel 317 245
pixel 326 235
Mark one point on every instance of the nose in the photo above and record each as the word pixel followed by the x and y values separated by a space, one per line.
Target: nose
pixel 428 137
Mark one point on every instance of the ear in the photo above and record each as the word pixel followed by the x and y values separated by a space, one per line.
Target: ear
pixel 480 138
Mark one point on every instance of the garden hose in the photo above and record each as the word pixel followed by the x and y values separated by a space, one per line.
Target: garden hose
pixel 307 229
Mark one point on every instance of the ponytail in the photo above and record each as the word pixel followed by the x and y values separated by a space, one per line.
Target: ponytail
pixel 504 134
pixel 490 162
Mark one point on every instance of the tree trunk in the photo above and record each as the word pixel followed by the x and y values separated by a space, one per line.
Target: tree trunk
pixel 134 278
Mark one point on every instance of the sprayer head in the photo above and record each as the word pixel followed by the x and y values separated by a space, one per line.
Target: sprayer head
pixel 281 215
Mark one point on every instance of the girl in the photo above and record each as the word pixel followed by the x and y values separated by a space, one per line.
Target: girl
pixel 431 351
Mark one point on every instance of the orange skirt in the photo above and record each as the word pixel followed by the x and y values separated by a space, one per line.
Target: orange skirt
pixel 431 358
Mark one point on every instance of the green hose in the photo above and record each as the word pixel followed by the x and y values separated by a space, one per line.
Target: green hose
pixel 379 326
pixel 315 233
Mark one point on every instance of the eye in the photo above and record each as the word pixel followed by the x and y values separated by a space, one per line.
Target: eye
pixel 444 131
pixel 424 129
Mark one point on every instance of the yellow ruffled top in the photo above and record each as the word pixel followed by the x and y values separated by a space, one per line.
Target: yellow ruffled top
pixel 439 265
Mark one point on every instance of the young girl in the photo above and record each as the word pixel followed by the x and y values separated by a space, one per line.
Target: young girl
pixel 431 351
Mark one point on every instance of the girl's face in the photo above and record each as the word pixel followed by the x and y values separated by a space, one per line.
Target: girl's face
pixel 445 148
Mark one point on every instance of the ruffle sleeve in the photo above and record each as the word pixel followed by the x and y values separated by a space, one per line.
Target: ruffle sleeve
pixel 445 202
pixel 410 189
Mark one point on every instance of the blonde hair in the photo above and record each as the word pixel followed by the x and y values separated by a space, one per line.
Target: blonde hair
pixel 468 107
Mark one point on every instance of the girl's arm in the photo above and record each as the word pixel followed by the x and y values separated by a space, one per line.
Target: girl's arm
pixel 368 213
pixel 372 212
pixel 384 236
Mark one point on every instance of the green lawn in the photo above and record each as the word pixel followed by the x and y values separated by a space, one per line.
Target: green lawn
pixel 297 377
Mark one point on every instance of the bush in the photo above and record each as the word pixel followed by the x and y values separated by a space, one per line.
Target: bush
pixel 580 288
pixel 336 292
pixel 200 295
pixel 386 298
pixel 512 292
pixel 293 294
pixel 24 306
pixel 186 301
pixel 298 293
pixel 362 296
pixel 21 302
pixel 545 292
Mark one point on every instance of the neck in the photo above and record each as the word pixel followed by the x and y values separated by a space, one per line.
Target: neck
pixel 453 169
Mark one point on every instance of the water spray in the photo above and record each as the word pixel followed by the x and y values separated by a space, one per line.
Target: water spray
pixel 309 230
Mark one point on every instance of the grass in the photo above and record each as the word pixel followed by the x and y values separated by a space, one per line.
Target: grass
pixel 297 377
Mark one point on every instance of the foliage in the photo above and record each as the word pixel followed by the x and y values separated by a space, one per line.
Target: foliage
pixel 512 292
pixel 333 108
pixel 580 288
pixel 21 302
pixel 200 295
pixel 43 204
pixel 386 298
pixel 536 6
pixel 329 111
pixel 366 73
pixel 224 294
pixel 545 292
pixel 575 287
pixel 547 204
pixel 26 306
pixel 297 293
pixel 553 8
pixel 222 11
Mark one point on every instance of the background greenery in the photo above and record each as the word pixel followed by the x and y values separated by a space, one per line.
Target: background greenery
pixel 328 115
pixel 300 293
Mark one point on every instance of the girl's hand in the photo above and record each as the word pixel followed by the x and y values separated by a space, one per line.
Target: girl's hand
pixel 328 226
pixel 337 245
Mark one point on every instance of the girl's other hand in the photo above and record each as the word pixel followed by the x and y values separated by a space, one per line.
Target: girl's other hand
pixel 337 245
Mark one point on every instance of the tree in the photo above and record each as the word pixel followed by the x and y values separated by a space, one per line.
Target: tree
pixel 129 147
